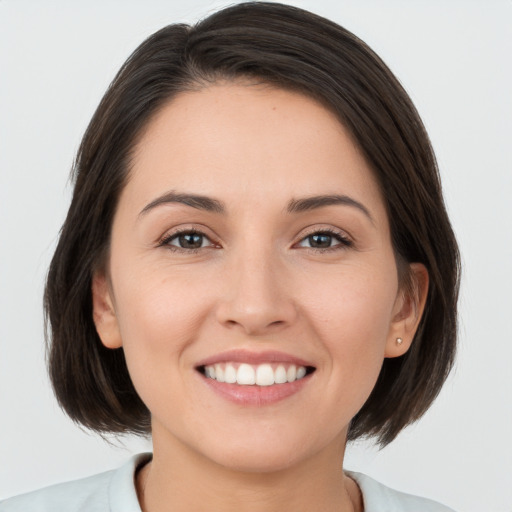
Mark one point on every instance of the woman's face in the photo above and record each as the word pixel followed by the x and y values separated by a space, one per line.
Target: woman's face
pixel 251 242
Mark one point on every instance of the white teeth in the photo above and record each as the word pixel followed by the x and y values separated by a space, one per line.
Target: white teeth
pixel 245 375
pixel 230 374
pixel 264 375
pixel 219 373
pixel 301 372
pixel 291 373
pixel 280 376
pixel 248 375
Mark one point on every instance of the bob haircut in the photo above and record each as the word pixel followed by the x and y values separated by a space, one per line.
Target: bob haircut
pixel 292 49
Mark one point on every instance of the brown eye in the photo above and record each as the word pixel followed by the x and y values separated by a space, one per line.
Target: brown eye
pixel 188 240
pixel 320 241
pixel 325 240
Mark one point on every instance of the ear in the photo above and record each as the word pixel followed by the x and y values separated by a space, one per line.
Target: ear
pixel 407 311
pixel 103 312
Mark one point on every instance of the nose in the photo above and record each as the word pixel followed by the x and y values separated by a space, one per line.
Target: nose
pixel 256 295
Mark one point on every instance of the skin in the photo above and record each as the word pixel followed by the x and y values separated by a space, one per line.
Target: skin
pixel 255 284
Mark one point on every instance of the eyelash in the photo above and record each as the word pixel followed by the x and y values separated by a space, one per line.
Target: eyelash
pixel 344 241
pixel 166 241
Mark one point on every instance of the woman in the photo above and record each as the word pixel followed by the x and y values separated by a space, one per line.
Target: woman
pixel 256 267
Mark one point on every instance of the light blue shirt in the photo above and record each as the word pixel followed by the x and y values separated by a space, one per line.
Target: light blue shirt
pixel 114 491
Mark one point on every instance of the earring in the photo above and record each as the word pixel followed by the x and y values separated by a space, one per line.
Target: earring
pixel 399 341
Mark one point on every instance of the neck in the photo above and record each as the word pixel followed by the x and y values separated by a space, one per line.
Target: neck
pixel 180 480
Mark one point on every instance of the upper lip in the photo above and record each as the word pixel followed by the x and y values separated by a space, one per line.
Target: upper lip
pixel 251 357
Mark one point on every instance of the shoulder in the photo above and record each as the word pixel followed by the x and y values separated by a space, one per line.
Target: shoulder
pixel 111 491
pixel 379 498
pixel 87 493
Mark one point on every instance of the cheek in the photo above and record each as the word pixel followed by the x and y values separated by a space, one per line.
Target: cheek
pixel 155 309
pixel 352 316
pixel 158 320
pixel 354 305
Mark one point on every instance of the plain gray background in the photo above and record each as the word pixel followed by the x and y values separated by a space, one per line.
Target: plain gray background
pixel 454 58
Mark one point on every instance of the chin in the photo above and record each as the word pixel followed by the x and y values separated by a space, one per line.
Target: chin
pixel 258 461
pixel 263 454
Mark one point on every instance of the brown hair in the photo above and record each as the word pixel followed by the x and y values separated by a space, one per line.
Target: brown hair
pixel 292 49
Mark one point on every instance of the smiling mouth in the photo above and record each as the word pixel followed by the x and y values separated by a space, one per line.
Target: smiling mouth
pixel 266 374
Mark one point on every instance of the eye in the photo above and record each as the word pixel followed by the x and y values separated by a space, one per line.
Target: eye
pixel 324 240
pixel 187 240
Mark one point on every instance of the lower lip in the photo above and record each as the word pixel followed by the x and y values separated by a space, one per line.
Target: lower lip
pixel 256 395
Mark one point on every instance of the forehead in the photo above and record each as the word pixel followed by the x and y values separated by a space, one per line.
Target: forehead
pixel 230 139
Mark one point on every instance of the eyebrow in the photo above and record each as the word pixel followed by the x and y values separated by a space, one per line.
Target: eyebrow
pixel 195 201
pixel 313 202
pixel 209 204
